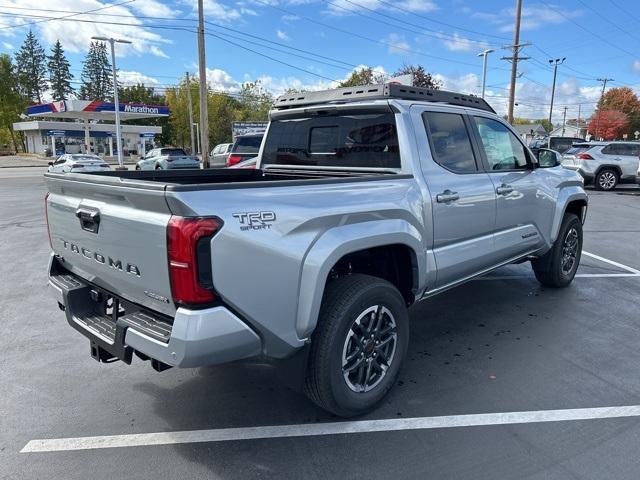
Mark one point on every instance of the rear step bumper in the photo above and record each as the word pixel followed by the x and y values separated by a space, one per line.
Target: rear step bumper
pixel 193 338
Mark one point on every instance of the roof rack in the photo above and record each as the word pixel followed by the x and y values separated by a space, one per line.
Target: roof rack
pixel 380 92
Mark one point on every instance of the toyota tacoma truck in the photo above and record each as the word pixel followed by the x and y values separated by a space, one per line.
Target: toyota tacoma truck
pixel 365 200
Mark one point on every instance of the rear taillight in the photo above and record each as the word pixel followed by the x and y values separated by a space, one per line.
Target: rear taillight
pixel 584 156
pixel 189 252
pixel 233 159
pixel 46 216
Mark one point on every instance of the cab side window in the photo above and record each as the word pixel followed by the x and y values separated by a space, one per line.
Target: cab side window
pixel 450 142
pixel 503 150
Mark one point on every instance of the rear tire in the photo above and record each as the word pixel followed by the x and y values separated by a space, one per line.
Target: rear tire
pixel 558 266
pixel 606 179
pixel 358 345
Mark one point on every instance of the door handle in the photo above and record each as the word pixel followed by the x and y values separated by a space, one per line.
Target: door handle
pixel 89 219
pixel 504 189
pixel 447 196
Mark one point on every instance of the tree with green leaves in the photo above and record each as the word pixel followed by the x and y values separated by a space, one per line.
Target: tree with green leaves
pixel 59 75
pixel 363 76
pixel 31 69
pixel 421 78
pixel 96 74
pixel 12 102
pixel 255 102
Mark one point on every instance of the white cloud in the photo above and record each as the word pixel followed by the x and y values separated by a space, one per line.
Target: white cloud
pixel 130 77
pixel 458 43
pixel 215 11
pixel 221 81
pixel 290 18
pixel 532 98
pixel 76 35
pixel 397 44
pixel 343 7
pixel 636 66
pixel 534 16
pixel 7 46
pixel 153 8
pixel 282 35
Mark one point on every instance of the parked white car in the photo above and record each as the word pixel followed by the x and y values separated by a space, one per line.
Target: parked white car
pixel 78 163
pixel 167 158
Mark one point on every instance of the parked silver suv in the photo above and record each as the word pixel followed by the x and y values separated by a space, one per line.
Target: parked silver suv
pixel 605 164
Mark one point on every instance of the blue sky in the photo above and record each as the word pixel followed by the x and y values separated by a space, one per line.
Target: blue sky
pixel 599 38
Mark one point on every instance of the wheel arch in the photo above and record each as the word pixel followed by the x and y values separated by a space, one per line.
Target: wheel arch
pixel 379 240
pixel 615 168
pixel 570 200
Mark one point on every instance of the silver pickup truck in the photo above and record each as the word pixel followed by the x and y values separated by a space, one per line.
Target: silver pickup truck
pixel 365 201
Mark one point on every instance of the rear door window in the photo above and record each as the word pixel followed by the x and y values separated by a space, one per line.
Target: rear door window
pixel 362 140
pixel 173 152
pixel 247 145
pixel 450 143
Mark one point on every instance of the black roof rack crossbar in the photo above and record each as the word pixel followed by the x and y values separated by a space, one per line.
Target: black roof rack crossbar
pixel 383 91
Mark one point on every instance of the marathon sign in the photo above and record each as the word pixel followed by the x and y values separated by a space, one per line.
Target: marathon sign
pixel 140 109
pixel 67 109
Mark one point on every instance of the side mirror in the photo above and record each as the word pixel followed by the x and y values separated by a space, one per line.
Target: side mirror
pixel 50 164
pixel 548 158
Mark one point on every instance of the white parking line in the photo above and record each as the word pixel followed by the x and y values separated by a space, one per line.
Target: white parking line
pixel 338 428
pixel 611 262
pixel 578 275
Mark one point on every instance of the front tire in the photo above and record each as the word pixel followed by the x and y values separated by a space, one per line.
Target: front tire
pixel 606 179
pixel 358 346
pixel 558 266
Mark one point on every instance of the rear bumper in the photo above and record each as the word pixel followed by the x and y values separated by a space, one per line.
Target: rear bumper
pixel 193 338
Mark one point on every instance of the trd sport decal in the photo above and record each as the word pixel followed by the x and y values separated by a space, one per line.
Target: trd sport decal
pixel 255 220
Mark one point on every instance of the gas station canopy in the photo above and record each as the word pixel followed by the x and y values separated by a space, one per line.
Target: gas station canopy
pixel 96 110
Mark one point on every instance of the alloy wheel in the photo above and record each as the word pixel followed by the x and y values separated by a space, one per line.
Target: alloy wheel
pixel 569 251
pixel 607 180
pixel 369 348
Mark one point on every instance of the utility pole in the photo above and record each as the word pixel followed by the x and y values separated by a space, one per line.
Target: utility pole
pixel 564 120
pixel 193 143
pixel 204 96
pixel 516 47
pixel 579 120
pixel 555 64
pixel 604 85
pixel 484 54
pixel 112 42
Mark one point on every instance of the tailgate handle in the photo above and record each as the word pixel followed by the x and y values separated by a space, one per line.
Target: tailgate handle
pixel 89 219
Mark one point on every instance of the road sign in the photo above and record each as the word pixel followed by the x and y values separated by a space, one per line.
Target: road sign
pixel 245 128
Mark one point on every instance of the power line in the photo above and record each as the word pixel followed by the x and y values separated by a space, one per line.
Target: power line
pixel 436 35
pixel 101 22
pixel 68 16
pixel 363 37
pixel 602 17
pixel 271 58
pixel 424 17
pixel 588 30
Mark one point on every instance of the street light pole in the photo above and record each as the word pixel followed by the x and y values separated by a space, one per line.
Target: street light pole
pixel 204 91
pixel 484 67
pixel 112 41
pixel 555 64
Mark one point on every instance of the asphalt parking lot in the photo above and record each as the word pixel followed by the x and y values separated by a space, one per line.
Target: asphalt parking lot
pixel 545 365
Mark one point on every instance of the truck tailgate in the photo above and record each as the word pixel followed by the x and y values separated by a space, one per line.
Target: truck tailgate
pixel 113 236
